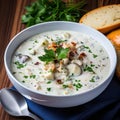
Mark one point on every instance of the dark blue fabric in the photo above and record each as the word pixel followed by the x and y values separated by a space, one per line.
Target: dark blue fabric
pixel 105 107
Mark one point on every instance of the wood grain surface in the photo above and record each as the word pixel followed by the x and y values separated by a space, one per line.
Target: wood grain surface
pixel 10 24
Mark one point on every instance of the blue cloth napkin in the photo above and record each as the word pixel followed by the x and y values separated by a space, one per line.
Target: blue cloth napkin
pixel 105 107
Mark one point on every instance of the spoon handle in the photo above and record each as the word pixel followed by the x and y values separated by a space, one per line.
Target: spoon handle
pixel 35 117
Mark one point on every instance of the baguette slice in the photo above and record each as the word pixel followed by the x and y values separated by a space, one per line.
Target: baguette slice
pixel 104 18
pixel 114 37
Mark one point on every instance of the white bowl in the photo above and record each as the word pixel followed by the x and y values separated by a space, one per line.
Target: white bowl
pixel 59 101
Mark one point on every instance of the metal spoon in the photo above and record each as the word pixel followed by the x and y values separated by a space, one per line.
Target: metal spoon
pixel 15 104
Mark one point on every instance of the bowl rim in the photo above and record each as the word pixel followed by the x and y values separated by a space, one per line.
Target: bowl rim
pixel 56 22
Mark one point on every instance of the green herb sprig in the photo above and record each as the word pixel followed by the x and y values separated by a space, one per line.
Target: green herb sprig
pixel 51 55
pixel 48 56
pixel 92 79
pixel 52 10
pixel 77 84
pixel 19 65
pixel 89 68
pixel 49 89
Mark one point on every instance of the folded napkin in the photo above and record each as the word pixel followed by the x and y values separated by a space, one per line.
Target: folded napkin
pixel 105 107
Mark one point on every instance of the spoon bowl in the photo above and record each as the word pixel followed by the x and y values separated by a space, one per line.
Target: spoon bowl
pixel 15 104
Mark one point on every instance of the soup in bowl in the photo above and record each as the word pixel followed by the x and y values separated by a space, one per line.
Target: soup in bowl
pixel 60 64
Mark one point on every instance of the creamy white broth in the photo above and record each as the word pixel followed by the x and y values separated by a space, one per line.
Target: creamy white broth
pixel 80 63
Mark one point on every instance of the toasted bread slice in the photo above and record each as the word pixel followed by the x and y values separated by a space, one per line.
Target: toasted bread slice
pixel 104 18
pixel 114 37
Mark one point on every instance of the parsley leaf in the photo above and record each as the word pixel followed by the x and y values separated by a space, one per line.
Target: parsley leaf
pixel 19 65
pixel 51 55
pixel 94 55
pixel 62 53
pixel 48 57
pixel 48 89
pixel 89 69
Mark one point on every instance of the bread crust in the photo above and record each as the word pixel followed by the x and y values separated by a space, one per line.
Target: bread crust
pixel 114 37
pixel 106 28
pixel 109 28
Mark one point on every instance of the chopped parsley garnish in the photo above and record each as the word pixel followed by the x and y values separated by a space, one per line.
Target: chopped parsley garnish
pixel 65 86
pixel 70 75
pixel 33 76
pixel 26 76
pixel 23 81
pixel 48 89
pixel 77 80
pixel 89 51
pixel 49 82
pixel 36 41
pixel 60 41
pixel 92 65
pixel 92 79
pixel 77 85
pixel 94 56
pixel 19 65
pixel 89 69
pixel 29 48
pixel 86 47
pixel 51 55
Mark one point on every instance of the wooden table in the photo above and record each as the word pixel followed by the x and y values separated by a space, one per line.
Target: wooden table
pixel 10 25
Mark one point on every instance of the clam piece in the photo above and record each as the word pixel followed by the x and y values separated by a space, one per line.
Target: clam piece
pixel 65 61
pixel 78 62
pixel 49 76
pixel 67 35
pixel 74 69
pixel 22 58
pixel 62 74
pixel 50 66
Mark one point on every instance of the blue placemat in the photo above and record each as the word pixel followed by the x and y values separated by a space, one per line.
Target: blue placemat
pixel 105 107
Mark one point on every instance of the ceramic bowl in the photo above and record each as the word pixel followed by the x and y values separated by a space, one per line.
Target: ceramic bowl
pixel 51 100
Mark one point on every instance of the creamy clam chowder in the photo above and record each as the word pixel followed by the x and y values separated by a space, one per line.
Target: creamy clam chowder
pixel 60 63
